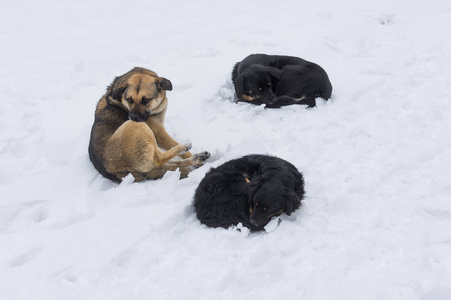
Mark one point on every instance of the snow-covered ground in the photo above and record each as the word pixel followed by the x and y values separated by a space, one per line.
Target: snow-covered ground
pixel 376 222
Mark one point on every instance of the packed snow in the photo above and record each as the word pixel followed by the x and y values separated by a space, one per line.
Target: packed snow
pixel 376 220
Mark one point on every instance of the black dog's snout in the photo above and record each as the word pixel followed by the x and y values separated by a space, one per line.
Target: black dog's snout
pixel 253 222
pixel 269 100
pixel 257 219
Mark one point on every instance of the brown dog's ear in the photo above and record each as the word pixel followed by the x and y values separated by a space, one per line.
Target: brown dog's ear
pixel 118 87
pixel 164 84
pixel 117 94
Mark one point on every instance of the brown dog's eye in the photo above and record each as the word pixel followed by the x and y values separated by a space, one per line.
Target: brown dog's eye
pixel 145 101
pixel 130 100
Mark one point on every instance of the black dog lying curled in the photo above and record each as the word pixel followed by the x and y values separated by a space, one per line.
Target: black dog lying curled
pixel 248 190
pixel 277 80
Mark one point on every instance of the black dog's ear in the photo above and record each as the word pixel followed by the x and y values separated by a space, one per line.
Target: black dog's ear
pixel 274 73
pixel 252 185
pixel 292 202
pixel 164 84
pixel 235 72
pixel 239 84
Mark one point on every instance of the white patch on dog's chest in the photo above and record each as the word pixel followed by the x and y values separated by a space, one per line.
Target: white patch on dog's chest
pixel 299 99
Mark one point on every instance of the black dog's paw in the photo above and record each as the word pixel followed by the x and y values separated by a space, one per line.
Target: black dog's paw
pixel 288 100
pixel 282 101
pixel 309 101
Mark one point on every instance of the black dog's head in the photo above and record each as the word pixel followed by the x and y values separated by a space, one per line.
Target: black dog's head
pixel 270 198
pixel 256 84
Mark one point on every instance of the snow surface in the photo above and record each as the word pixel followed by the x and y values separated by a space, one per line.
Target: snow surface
pixel 376 222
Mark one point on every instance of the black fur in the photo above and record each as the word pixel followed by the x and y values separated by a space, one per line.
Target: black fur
pixel 277 80
pixel 225 198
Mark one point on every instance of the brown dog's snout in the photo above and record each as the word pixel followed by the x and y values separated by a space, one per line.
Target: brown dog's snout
pixel 138 117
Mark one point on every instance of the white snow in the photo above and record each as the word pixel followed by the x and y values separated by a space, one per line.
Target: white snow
pixel 376 222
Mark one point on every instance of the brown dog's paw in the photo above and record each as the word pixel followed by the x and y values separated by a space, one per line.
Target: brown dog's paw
pixel 199 158
pixel 204 155
pixel 186 149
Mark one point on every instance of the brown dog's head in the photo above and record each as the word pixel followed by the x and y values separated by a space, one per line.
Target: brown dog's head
pixel 140 91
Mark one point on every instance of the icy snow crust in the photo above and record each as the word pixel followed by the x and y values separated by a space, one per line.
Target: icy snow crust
pixel 376 221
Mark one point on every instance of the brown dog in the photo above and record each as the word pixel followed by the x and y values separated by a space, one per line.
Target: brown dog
pixel 128 130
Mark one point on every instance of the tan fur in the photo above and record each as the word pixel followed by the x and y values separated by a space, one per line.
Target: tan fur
pixel 120 145
pixel 247 97
pixel 246 178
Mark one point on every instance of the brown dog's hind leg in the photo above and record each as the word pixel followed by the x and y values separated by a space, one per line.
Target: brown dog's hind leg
pixel 133 148
pixel 194 160
pixel 184 165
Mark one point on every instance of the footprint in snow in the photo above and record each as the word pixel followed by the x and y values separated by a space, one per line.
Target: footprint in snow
pixel 24 258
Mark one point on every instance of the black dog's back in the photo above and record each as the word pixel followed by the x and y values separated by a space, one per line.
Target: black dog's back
pixel 304 76
pixel 223 198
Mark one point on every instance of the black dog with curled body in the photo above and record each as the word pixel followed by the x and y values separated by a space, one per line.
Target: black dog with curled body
pixel 279 80
pixel 248 190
